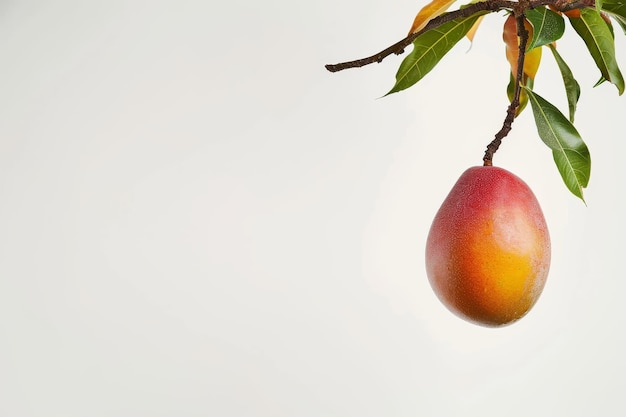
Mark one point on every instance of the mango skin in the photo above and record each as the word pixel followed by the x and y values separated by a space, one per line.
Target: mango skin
pixel 488 249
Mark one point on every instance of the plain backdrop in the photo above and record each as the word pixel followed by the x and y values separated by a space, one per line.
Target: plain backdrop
pixel 197 219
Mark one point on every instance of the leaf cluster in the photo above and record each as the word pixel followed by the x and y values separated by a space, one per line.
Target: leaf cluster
pixel 435 31
pixel 557 131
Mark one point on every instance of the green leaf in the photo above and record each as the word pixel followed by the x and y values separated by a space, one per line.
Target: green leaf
pixel 597 36
pixel 621 21
pixel 609 24
pixel 429 48
pixel 616 7
pixel 572 88
pixel 523 97
pixel 548 26
pixel 617 10
pixel 568 149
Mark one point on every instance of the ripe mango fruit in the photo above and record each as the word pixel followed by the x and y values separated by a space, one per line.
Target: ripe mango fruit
pixel 488 248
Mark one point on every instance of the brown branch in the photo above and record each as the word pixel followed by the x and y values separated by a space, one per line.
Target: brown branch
pixel 398 47
pixel 484 6
pixel 512 109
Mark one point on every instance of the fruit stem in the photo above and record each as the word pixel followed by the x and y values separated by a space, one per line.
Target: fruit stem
pixel 512 109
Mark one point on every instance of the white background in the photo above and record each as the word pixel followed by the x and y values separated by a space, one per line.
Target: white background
pixel 196 219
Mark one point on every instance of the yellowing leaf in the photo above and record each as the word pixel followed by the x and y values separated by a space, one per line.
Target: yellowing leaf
pixel 431 10
pixel 531 62
pixel 472 32
pixel 532 58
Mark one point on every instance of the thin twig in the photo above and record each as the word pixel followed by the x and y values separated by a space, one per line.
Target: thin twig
pixel 398 47
pixel 512 109
pixel 483 6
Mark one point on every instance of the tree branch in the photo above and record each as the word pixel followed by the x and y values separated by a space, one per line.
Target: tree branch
pixel 483 6
pixel 398 47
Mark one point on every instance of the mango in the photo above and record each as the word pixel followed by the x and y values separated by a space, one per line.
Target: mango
pixel 488 248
